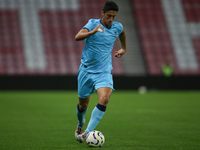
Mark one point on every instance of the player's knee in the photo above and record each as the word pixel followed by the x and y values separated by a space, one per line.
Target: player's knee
pixel 104 100
pixel 83 107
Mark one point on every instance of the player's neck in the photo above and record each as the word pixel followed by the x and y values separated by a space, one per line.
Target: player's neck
pixel 103 23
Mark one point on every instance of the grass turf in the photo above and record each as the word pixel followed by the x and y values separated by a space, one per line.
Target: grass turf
pixel 46 120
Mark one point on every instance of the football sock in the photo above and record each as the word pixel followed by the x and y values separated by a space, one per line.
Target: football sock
pixel 96 116
pixel 80 116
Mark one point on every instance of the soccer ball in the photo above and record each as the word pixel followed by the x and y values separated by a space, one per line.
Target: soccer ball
pixel 95 139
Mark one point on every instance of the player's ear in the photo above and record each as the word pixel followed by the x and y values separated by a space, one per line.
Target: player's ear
pixel 102 12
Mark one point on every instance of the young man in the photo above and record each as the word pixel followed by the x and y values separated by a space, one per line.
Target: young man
pixel 96 65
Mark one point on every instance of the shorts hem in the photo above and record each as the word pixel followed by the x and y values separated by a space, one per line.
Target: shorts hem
pixel 105 86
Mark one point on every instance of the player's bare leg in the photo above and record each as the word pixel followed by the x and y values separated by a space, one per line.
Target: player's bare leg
pixel 104 95
pixel 83 103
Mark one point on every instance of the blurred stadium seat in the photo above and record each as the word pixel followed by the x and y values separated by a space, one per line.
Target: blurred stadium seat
pixel 52 51
pixel 37 36
pixel 169 32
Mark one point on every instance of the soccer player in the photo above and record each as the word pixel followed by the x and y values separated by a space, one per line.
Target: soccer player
pixel 94 73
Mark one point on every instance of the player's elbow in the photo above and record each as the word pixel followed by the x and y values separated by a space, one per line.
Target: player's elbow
pixel 79 38
pixel 76 38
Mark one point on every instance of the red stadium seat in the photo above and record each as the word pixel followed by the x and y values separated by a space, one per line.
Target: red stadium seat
pixel 58 29
pixel 155 37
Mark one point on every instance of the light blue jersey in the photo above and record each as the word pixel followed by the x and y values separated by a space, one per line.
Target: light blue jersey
pixel 97 53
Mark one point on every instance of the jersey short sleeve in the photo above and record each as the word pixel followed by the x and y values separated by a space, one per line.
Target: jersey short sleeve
pixel 120 28
pixel 90 25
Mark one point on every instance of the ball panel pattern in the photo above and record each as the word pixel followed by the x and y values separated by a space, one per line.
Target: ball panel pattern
pixel 95 139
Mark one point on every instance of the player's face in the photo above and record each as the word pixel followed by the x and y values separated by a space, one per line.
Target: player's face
pixel 108 18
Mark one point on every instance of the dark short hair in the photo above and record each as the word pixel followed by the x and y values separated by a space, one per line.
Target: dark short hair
pixel 110 5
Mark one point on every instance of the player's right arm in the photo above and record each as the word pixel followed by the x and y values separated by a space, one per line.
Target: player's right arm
pixel 84 33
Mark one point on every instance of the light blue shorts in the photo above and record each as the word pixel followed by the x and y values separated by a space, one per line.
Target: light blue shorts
pixel 88 83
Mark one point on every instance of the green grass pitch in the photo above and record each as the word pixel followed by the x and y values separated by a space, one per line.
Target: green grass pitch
pixel 46 120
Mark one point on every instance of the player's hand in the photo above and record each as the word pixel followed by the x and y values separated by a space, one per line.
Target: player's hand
pixel 119 53
pixel 96 29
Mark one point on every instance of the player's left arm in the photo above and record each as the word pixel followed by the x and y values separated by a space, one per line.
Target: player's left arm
pixel 122 38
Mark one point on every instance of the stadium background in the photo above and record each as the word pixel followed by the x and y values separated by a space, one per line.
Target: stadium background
pixel 38 50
